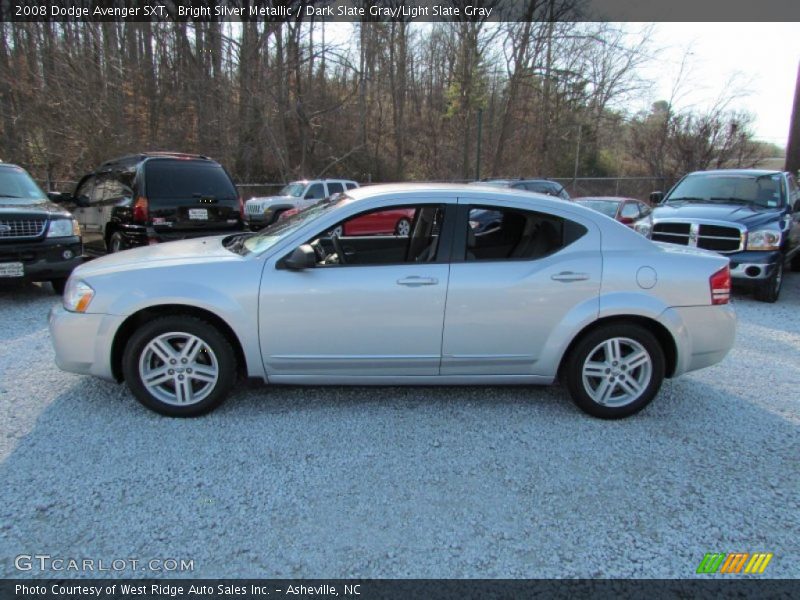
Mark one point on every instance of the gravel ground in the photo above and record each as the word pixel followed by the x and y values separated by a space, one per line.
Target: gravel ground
pixel 405 482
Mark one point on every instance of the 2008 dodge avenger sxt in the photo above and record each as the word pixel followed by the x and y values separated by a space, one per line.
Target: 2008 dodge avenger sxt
pixel 550 290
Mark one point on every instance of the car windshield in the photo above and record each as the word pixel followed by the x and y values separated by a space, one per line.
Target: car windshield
pixel 245 243
pixel 293 189
pixel 17 187
pixel 607 207
pixel 763 190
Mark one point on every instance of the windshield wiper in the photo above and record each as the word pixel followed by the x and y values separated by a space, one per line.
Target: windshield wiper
pixel 9 196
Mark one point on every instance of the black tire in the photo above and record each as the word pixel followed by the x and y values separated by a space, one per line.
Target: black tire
pixel 220 349
pixel 795 264
pixel 770 288
pixel 59 285
pixel 588 347
pixel 116 243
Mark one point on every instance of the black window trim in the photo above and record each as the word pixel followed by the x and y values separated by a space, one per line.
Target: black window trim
pixel 459 251
pixel 443 250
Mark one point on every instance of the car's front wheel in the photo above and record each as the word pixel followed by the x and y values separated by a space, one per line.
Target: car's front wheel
pixel 769 289
pixel 179 366
pixel 615 370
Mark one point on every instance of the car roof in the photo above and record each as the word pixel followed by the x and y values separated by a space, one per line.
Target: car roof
pixel 608 198
pixel 736 172
pixel 466 190
pixel 133 159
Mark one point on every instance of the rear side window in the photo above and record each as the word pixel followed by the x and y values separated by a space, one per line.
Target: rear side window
pixel 334 187
pixel 315 192
pixel 503 234
pixel 351 186
pixel 630 210
pixel 174 179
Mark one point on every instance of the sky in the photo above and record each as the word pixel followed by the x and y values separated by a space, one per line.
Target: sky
pixel 762 59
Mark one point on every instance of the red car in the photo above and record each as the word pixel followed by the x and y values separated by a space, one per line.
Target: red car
pixel 386 222
pixel 625 210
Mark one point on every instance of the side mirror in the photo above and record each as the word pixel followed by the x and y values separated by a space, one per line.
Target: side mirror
pixel 656 197
pixel 626 220
pixel 82 201
pixel 302 257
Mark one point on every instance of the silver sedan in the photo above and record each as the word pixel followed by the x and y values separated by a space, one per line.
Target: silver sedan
pixel 490 286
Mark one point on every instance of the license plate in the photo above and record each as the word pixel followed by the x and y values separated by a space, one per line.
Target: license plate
pixel 14 269
pixel 198 214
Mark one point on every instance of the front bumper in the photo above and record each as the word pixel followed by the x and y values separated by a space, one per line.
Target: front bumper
pixel 43 260
pixel 82 341
pixel 753 266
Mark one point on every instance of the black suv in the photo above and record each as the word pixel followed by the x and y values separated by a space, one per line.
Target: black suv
pixel 751 216
pixel 38 240
pixel 154 197
pixel 540 186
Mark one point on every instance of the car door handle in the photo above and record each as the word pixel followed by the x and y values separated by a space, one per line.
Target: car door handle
pixel 415 281
pixel 568 276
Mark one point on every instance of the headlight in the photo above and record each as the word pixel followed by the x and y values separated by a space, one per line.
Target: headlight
pixel 63 228
pixel 77 295
pixel 267 210
pixel 643 226
pixel 766 239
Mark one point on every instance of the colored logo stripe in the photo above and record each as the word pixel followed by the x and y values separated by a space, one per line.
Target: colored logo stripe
pixel 734 562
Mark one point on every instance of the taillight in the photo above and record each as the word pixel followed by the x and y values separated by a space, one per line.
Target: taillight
pixel 140 210
pixel 720 283
pixel 241 207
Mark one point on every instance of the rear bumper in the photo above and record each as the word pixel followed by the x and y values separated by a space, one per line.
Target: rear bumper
pixel 704 335
pixel 43 260
pixel 143 236
pixel 82 342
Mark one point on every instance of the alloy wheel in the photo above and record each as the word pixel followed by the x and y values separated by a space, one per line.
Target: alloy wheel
pixel 617 371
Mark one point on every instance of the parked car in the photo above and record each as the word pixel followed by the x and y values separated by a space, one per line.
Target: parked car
pixel 557 291
pixel 750 216
pixel 625 210
pixel 541 186
pixel 387 222
pixel 265 210
pixel 154 197
pixel 39 241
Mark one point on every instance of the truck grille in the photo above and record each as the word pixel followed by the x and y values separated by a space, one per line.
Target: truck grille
pixel 23 228
pixel 253 209
pixel 718 238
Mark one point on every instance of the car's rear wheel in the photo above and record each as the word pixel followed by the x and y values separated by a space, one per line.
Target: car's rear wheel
pixel 116 243
pixel 769 289
pixel 179 366
pixel 403 227
pixel 615 370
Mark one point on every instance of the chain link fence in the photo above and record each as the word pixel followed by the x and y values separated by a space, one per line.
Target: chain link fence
pixel 631 187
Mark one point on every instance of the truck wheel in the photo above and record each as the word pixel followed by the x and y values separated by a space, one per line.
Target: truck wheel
pixel 795 264
pixel 59 285
pixel 770 288
pixel 615 370
pixel 116 243
pixel 179 366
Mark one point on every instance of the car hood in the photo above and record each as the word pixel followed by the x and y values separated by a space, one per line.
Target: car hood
pixel 43 208
pixel 171 254
pixel 271 199
pixel 743 214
